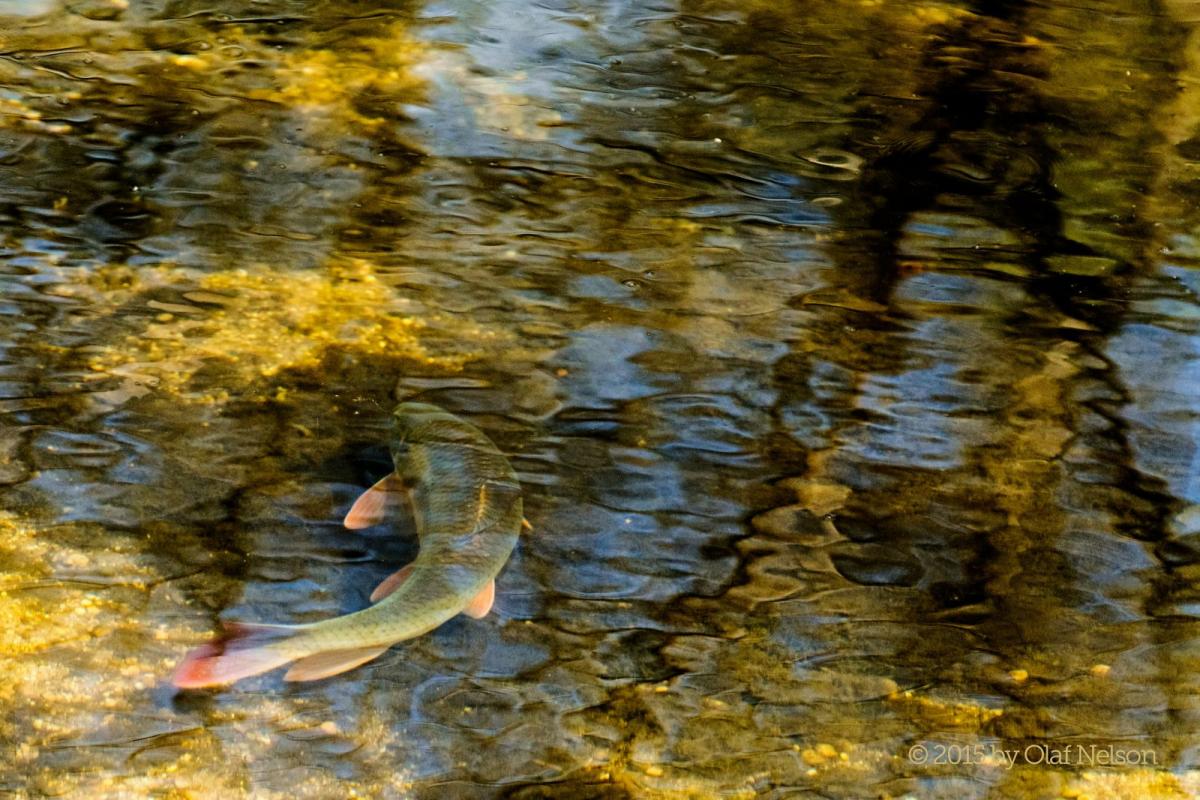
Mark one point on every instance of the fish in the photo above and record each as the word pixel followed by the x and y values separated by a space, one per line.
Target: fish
pixel 467 506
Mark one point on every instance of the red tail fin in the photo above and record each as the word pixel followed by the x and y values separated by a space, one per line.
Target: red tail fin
pixel 242 650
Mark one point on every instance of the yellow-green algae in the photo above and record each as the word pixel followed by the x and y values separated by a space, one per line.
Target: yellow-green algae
pixel 80 666
pixel 333 87
pixel 1131 784
pixel 259 322
pixel 318 80
pixel 1137 783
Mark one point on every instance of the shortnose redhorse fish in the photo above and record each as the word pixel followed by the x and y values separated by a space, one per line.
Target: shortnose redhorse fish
pixel 466 503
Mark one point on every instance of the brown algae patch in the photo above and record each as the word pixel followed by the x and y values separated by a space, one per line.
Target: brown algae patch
pixel 16 113
pixel 730 726
pixel 944 715
pixel 258 323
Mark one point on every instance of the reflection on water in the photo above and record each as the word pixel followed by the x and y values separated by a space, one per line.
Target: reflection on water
pixel 848 354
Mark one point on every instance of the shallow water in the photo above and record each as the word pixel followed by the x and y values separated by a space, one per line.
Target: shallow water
pixel 849 355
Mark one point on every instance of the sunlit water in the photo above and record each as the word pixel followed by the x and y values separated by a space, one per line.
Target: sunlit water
pixel 848 355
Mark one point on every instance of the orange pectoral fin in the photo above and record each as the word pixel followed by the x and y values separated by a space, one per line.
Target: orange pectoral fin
pixel 371 506
pixel 482 603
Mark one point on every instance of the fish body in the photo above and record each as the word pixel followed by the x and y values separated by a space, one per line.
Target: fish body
pixel 466 502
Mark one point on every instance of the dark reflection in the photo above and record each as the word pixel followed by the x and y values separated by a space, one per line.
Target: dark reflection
pixel 846 353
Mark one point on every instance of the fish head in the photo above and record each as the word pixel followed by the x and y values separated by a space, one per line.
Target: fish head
pixel 421 424
pixel 409 420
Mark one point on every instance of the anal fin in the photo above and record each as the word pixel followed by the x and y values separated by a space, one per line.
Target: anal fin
pixel 331 662
pixel 391 583
pixel 371 506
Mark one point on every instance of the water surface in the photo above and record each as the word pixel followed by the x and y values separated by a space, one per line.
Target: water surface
pixel 848 353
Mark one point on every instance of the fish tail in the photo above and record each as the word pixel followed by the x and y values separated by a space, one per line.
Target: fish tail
pixel 243 649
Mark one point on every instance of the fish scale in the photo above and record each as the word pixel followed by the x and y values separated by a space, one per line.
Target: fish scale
pixel 466 503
